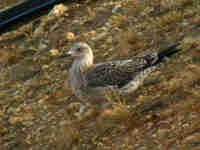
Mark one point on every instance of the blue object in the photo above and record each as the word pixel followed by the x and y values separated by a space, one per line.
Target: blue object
pixel 22 9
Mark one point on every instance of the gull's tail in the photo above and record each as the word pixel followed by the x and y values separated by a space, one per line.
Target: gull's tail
pixel 169 51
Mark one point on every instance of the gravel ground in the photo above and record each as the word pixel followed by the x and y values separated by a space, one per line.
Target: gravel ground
pixel 38 110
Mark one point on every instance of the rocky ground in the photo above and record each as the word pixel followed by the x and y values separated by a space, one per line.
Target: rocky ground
pixel 38 111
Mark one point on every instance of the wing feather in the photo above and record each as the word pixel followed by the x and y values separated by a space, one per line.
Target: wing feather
pixel 116 73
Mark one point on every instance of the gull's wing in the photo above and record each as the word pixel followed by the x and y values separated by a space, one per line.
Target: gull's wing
pixel 118 73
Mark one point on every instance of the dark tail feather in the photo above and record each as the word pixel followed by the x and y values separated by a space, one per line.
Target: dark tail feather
pixel 169 51
pixel 159 57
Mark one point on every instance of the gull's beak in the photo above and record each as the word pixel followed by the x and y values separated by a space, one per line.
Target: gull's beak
pixel 66 54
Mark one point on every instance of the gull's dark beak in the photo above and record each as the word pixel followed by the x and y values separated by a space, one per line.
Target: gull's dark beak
pixel 66 54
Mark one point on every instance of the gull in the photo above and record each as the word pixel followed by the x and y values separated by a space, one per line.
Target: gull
pixel 90 81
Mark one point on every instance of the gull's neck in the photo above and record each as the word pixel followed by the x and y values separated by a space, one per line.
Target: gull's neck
pixel 77 71
pixel 83 64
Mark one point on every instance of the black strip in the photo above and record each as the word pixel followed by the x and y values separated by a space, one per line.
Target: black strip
pixel 22 9
pixel 169 51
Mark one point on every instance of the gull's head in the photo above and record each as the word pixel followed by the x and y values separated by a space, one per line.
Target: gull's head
pixel 79 50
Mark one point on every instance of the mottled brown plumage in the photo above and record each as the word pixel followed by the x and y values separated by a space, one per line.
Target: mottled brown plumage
pixel 116 73
pixel 123 76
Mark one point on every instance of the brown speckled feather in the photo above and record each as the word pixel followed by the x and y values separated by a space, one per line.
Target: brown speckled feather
pixel 87 79
pixel 118 73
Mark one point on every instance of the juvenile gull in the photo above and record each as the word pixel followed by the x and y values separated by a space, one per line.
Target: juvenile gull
pixel 89 80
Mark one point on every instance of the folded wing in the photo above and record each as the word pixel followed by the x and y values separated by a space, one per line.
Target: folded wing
pixel 118 73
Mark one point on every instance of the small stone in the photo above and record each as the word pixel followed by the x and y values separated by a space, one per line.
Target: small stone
pixel 44 67
pixel 43 45
pixel 15 120
pixel 116 9
pixel 163 132
pixel 58 10
pixel 74 106
pixel 92 33
pixel 99 36
pixel 54 52
pixel 27 123
pixel 4 57
pixel 190 139
pixel 38 31
pixel 64 123
pixel 154 135
pixel 3 130
pixel 53 27
pixel 109 40
pixel 195 20
pixel 41 101
pixel 70 36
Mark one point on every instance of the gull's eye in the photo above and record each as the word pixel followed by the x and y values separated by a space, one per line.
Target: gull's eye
pixel 79 49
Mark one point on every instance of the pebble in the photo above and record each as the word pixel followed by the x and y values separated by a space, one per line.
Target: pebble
pixel 116 9
pixel 99 36
pixel 54 52
pixel 43 44
pixel 15 120
pixel 70 36
pixel 58 10
pixel 44 67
